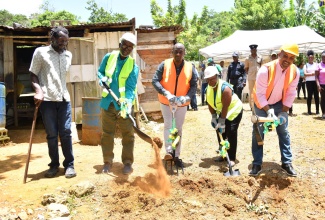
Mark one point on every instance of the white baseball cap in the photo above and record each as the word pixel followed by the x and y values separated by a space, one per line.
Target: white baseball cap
pixel 129 37
pixel 210 71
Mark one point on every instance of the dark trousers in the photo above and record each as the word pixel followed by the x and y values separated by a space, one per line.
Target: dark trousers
pixel 203 91
pixel 56 117
pixel 312 91
pixel 301 85
pixel 231 134
pixel 322 99
pixel 238 89
pixel 193 102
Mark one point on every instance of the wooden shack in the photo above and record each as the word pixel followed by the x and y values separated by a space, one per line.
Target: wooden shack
pixel 88 44
pixel 154 46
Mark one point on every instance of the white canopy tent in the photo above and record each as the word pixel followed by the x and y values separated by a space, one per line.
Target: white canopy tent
pixel 267 41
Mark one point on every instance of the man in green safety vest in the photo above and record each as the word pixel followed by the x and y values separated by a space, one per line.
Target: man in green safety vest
pixel 119 71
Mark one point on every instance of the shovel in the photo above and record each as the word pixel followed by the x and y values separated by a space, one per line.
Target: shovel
pixel 140 133
pixel 230 171
pixel 174 138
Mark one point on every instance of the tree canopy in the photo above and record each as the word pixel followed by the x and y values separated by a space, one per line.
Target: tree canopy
pixel 258 14
pixel 99 14
pixel 202 29
pixel 6 18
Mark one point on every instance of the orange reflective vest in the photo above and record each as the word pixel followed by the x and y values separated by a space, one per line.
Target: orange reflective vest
pixel 177 85
pixel 290 76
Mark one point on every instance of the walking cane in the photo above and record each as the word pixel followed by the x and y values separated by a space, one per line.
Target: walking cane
pixel 30 143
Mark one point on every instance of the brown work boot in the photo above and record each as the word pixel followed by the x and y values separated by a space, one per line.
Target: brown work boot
pixel 168 156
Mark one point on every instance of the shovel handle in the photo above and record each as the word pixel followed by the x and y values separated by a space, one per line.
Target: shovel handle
pixel 112 93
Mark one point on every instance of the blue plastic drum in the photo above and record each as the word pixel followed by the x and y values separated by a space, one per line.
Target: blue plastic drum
pixel 2 105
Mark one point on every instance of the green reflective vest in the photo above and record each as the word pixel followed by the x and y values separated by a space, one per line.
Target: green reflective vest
pixel 214 101
pixel 124 74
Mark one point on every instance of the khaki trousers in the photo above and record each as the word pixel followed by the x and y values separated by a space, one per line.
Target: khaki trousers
pixel 110 118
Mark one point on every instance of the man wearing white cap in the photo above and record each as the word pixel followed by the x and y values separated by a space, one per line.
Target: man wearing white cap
pixel 226 110
pixel 273 94
pixel 119 71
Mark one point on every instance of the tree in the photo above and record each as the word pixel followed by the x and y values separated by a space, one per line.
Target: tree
pixel 297 14
pixel 48 14
pixel 100 15
pixel 174 16
pixel 258 14
pixel 45 18
pixel 6 18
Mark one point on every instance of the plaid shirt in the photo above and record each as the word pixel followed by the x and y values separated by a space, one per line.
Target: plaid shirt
pixel 51 69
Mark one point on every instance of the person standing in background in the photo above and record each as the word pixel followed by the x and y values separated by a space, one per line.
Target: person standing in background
pixel 204 84
pixel 236 75
pixel 320 81
pixel 309 71
pixel 252 64
pixel 224 70
pixel 274 55
pixel 49 67
pixel 193 102
pixel 302 83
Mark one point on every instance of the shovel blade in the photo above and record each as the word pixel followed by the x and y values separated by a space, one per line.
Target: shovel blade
pixel 232 173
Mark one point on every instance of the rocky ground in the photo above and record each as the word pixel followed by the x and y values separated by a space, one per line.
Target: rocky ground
pixel 202 192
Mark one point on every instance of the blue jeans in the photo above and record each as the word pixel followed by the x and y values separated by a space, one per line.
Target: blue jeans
pixel 56 118
pixel 283 135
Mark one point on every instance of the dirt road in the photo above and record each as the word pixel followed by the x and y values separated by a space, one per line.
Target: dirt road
pixel 201 193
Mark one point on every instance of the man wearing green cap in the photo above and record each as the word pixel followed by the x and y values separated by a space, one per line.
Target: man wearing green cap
pixel 273 94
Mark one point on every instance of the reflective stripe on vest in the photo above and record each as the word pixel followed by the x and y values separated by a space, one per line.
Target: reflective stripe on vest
pixel 124 74
pixel 235 106
pixel 289 77
pixel 169 79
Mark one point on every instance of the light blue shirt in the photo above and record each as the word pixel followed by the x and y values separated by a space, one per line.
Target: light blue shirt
pixel 130 86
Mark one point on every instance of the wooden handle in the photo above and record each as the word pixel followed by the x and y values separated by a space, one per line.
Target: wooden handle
pixel 30 143
pixel 257 119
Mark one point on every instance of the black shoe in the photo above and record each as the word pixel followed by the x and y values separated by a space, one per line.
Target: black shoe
pixel 127 168
pixel 305 97
pixel 178 162
pixel 220 159
pixel 317 112
pixel 107 168
pixel 299 98
pixel 287 167
pixel 51 172
pixel 309 113
pixel 256 169
pixel 195 109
